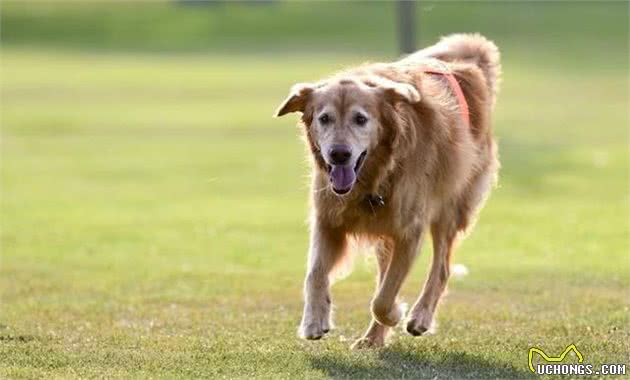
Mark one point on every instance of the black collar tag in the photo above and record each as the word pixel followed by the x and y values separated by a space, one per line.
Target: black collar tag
pixel 375 201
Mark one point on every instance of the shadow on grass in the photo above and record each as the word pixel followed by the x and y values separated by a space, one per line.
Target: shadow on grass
pixel 400 362
pixel 17 338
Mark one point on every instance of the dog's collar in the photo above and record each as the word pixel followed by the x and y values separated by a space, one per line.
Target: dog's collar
pixel 374 201
pixel 457 89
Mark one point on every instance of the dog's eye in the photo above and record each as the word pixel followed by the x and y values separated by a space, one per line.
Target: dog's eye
pixel 324 119
pixel 360 119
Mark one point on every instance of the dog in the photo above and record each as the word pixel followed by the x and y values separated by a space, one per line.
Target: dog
pixel 397 149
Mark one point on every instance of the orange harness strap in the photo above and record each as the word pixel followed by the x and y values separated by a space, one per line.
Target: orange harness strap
pixel 459 94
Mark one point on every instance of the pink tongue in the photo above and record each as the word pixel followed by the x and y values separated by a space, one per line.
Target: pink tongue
pixel 342 177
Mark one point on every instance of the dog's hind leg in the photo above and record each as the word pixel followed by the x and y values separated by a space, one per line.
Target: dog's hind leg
pixel 327 248
pixel 376 333
pixel 443 233
pixel 384 307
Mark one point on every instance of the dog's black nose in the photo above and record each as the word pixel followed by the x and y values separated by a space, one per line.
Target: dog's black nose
pixel 340 154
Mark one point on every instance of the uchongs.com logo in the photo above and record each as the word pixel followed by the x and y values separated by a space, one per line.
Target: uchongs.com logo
pixel 553 365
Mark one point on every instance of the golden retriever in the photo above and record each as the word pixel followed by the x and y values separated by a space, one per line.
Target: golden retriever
pixel 398 148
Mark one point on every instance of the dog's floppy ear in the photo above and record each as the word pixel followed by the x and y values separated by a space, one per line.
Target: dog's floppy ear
pixel 297 99
pixel 397 91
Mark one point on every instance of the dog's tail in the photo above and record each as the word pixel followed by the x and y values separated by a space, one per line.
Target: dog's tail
pixel 473 48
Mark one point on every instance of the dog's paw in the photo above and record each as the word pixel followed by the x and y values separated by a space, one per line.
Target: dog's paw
pixel 389 316
pixel 420 323
pixel 368 342
pixel 313 331
pixel 314 328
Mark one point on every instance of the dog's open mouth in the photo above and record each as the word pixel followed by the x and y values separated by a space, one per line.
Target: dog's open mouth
pixel 343 177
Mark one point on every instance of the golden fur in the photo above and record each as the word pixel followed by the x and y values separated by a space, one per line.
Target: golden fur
pixel 432 170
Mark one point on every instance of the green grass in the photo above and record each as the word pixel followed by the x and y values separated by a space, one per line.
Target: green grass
pixel 153 213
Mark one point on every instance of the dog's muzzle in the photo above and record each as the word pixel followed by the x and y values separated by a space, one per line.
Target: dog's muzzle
pixel 344 176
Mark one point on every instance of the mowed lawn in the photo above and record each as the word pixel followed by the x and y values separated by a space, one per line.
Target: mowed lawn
pixel 153 224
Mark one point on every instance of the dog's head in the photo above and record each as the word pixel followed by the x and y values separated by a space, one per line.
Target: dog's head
pixel 344 120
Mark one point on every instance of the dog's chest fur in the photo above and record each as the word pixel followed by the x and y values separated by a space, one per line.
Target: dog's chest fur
pixel 359 216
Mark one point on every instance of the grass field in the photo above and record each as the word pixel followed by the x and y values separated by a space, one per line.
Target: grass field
pixel 153 213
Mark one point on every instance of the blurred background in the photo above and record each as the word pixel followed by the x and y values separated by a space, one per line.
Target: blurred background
pixel 153 212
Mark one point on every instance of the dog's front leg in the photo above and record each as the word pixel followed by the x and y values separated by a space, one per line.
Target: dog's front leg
pixel 443 233
pixel 376 333
pixel 326 249
pixel 384 307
